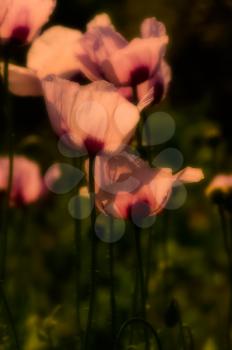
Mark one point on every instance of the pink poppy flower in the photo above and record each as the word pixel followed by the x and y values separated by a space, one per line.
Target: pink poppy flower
pixel 27 185
pixel 21 20
pixel 94 117
pixel 104 53
pixel 126 187
pixel 53 52
pixel 157 86
pixel 220 183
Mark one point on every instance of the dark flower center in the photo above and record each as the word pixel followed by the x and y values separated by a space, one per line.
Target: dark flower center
pixel 138 211
pixel 20 34
pixel 78 78
pixel 139 75
pixel 18 199
pixel 93 145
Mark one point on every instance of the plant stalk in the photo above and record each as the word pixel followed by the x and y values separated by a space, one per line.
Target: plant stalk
pixel 78 267
pixel 227 247
pixel 6 209
pixel 112 285
pixel 141 281
pixel 93 257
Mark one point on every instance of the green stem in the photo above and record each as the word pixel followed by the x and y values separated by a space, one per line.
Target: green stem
pixel 78 278
pixel 137 233
pixel 10 131
pixel 147 150
pixel 181 329
pixel 149 260
pixel 146 325
pixel 134 304
pixel 182 334
pixel 112 287
pixel 190 337
pixel 9 316
pixel 230 281
pixel 6 211
pixel 78 250
pixel 226 238
pixel 166 274
pixel 93 256
pixel 138 132
pixel 135 294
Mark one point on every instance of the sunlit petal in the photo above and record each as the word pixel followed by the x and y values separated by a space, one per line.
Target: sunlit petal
pixel 22 81
pixel 53 52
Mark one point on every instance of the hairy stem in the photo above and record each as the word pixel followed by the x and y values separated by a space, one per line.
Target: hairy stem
pixel 6 209
pixel 78 250
pixel 137 233
pixel 227 246
pixel 149 250
pixel 140 272
pixel 112 286
pixel 93 256
pixel 9 316
pixel 182 335
pixel 78 278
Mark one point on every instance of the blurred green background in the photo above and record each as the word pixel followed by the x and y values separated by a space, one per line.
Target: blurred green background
pixel 188 260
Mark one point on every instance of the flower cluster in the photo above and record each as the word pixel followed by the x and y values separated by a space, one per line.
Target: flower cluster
pixel 128 188
pixel 95 85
